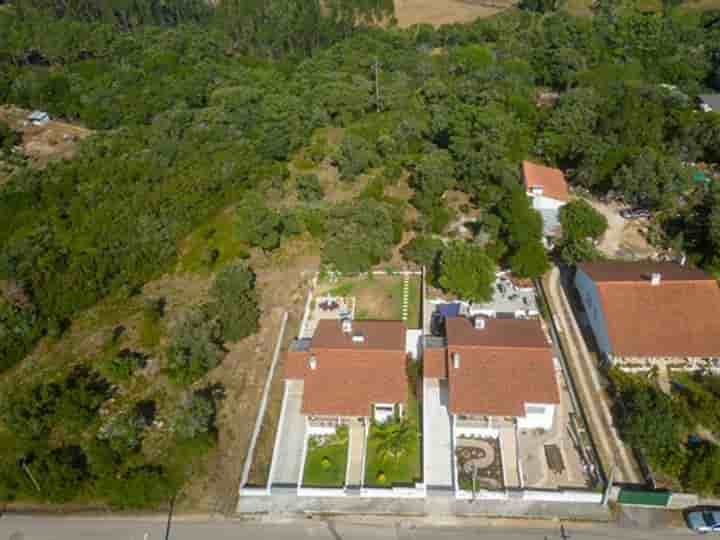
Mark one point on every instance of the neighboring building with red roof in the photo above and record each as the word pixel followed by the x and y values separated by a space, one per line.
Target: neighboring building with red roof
pixel 548 190
pixel 351 369
pixel 648 312
pixel 499 372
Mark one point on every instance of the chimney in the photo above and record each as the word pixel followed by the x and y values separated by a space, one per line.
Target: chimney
pixel 347 326
pixel 456 360
pixel 312 362
pixel 655 278
pixel 479 323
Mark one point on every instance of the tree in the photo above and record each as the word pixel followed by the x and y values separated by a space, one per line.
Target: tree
pixel 434 174
pixel 467 271
pixel 257 224
pixel 394 438
pixel 234 302
pixel 9 138
pixel 651 420
pixel 424 251
pixel 581 221
pixel 575 251
pixel 360 234
pixel 530 261
pixel 309 188
pixel 522 224
pixel 703 469
pixel 195 348
pixel 354 157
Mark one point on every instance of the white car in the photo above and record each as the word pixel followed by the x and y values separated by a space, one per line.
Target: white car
pixel 704 521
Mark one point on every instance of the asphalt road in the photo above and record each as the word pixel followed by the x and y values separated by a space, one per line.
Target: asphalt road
pixel 43 528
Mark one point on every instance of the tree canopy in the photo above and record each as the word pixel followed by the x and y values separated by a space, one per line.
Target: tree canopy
pixel 467 271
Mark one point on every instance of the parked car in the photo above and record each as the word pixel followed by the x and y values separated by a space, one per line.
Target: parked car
pixel 704 520
pixel 634 213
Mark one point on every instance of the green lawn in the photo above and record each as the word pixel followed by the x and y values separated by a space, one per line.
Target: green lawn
pixel 379 297
pixel 325 465
pixel 405 470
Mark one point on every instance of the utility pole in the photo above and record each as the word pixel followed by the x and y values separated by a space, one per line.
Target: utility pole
pixel 169 521
pixel 376 70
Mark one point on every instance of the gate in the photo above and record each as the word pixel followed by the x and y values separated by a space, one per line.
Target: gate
pixel 644 498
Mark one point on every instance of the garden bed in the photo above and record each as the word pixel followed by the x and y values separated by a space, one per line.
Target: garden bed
pixel 480 458
pixel 326 460
pixel 403 469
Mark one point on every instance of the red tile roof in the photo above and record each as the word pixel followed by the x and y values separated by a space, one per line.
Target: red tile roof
pixel 552 181
pixel 678 317
pixel 382 335
pixel 515 333
pixel 502 366
pixel 434 363
pixel 350 376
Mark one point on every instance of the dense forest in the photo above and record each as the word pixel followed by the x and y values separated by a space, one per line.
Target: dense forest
pixel 200 107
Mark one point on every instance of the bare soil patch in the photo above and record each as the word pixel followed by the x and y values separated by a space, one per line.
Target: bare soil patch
pixel 624 239
pixel 42 144
pixel 439 12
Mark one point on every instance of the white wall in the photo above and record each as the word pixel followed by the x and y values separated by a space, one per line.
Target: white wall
pixel 591 302
pixel 540 202
pixel 542 420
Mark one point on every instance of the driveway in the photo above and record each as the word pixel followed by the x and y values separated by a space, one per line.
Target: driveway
pixel 437 435
pixel 287 457
pixel 611 448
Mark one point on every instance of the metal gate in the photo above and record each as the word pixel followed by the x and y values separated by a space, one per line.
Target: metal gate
pixel 644 498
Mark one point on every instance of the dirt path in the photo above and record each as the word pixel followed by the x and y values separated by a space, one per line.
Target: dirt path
pixel 613 452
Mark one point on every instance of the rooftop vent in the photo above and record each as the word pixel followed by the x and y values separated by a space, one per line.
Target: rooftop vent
pixel 358 338
pixel 479 323
pixel 456 360
pixel 655 278
pixel 347 326
pixel 312 362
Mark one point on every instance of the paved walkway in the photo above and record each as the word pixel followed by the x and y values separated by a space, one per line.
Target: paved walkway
pixel 287 456
pixel 437 443
pixel 435 506
pixel 585 373
pixel 509 450
pixel 356 454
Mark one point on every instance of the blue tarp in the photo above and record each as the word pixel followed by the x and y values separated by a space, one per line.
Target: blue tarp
pixel 449 310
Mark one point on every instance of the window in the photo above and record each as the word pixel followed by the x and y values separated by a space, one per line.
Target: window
pixel 534 409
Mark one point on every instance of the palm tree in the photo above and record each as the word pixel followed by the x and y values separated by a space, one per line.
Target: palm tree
pixel 394 439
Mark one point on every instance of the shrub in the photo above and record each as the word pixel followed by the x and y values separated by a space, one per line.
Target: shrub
pixel 194 416
pixel 325 463
pixel 195 348
pixel 234 302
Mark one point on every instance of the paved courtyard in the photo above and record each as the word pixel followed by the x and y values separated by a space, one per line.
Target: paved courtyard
pixel 437 447
pixel 532 444
pixel 287 457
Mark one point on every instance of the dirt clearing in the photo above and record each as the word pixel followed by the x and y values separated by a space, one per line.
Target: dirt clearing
pixel 624 239
pixel 42 144
pixel 439 12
